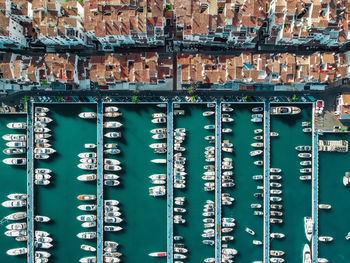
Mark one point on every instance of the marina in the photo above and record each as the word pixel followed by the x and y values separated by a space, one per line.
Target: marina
pixel 171 182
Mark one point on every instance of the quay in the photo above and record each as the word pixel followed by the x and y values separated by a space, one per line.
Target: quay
pixel 99 181
pixel 266 181
pixel 315 189
pixel 30 183
pixel 170 190
pixel 218 183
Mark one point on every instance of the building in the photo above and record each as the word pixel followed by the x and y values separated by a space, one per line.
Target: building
pixel 308 22
pixel 219 23
pixel 113 70
pixel 284 71
pixel 342 110
pixel 15 16
pixel 117 23
pixel 58 24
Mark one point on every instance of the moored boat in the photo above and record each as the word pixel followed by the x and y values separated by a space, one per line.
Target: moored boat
pixel 284 110
pixel 87 115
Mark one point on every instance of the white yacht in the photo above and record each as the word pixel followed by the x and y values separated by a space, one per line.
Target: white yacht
pixel 275 170
pixel 41 130
pixel 42 136
pixel 112 167
pixel 112 124
pixel 112 228
pixel 41 182
pixel 277 235
pixel 158 131
pixel 43 219
pixel 158 161
pixel 227 119
pixel 209 127
pixel 112 151
pixel 111 182
pixel 87 155
pixel 86 197
pixel 111 109
pixel 308 225
pixel 157 190
pixel 10 151
pixel 305 155
pixel 110 176
pixel 16 233
pixel 159 136
pixel 41 234
pixel 88 248
pixel 42 171
pixel 257 144
pixel 43 119
pixel 15 161
pixel 208 113
pixel 16 226
pixel 111 145
pixel 113 135
pixel 284 110
pixel 16 216
pixel 44 150
pixel 305 170
pixel 15 137
pixel 159 120
pixel 325 239
pixel 17 196
pixel 256 153
pixel 87 207
pixel 306 254
pixel 89 146
pixel 87 115
pixel 17 125
pixel 111 161
pixel 249 231
pixel 41 109
pixel 87 235
pixel 257 109
pixel 42 254
pixel 42 176
pixel 158 115
pixel 17 251
pixel 87 177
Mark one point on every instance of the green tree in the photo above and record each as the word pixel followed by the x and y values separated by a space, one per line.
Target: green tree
pixel 25 98
pixel 295 98
pixel 135 99
pixel 192 89
pixel 245 98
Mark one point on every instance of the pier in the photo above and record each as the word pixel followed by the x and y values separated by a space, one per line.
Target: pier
pixel 315 189
pixel 99 181
pixel 30 183
pixel 218 182
pixel 266 181
pixel 170 194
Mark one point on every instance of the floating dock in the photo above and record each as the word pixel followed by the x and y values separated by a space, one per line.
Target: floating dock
pixel 315 189
pixel 99 182
pixel 266 181
pixel 30 183
pixel 170 190
pixel 218 183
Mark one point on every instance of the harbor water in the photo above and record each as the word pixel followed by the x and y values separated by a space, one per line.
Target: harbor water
pixel 195 144
pixel 12 180
pixel 245 187
pixel 144 226
pixel 296 194
pixel 58 200
pixel 334 222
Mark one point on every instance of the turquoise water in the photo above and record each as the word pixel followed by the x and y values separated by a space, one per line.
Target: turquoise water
pixel 59 199
pixel 296 194
pixel 12 180
pixel 194 192
pixel 144 216
pixel 334 222
pixel 243 192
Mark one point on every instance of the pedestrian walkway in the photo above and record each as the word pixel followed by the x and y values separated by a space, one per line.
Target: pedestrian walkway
pixel 30 185
pixel 218 183
pixel 266 181
pixel 99 181
pixel 170 194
